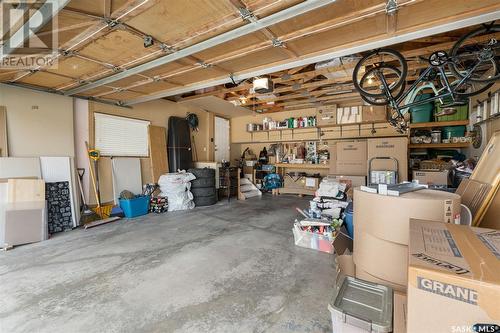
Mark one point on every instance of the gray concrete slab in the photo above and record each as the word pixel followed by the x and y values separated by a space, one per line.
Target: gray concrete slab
pixel 226 268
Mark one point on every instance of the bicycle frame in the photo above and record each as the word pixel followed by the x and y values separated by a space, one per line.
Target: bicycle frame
pixel 449 90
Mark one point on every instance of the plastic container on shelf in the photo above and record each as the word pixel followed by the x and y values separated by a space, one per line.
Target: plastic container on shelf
pixel 135 207
pixel 422 113
pixel 436 136
pixel 462 111
pixel 453 131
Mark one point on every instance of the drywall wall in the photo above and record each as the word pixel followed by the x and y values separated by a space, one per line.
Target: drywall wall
pixel 157 112
pixel 4 147
pixel 38 123
pixel 81 125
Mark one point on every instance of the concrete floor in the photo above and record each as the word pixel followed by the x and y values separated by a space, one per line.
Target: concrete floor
pixel 226 268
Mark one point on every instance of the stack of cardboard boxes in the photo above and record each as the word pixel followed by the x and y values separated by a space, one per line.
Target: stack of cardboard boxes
pixel 349 159
pixel 381 230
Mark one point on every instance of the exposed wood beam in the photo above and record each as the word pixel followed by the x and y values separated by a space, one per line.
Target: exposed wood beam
pixel 313 73
pixel 327 25
pixel 249 28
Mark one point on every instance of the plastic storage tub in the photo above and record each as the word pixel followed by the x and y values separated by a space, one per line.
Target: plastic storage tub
pixel 312 240
pixel 422 113
pixel 360 306
pixel 453 131
pixel 135 207
pixel 461 114
pixel 349 217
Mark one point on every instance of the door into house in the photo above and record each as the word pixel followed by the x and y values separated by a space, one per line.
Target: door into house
pixel 221 138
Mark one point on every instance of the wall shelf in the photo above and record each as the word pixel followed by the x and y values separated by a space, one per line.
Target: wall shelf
pixel 440 124
pixel 321 126
pixel 440 145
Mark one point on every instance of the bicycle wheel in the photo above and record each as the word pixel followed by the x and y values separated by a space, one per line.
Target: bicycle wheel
pixel 378 59
pixel 395 75
pixel 477 53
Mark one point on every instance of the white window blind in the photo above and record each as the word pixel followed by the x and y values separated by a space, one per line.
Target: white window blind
pixel 120 136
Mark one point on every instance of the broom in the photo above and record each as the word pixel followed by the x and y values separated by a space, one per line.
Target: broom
pixel 87 215
pixel 94 155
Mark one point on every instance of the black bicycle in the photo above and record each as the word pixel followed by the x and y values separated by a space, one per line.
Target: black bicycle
pixel 471 67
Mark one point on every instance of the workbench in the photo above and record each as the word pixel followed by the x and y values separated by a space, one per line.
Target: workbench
pixel 283 168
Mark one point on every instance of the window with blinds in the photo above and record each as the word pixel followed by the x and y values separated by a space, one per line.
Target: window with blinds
pixel 120 136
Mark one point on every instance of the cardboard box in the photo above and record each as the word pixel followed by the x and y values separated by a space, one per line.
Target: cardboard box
pixel 326 115
pixel 311 183
pixel 380 258
pixel 389 147
pixel 351 181
pixel 294 182
pixel 374 113
pixel 360 274
pixel 453 277
pixel 352 158
pixel 342 246
pixel 388 217
pixel 432 177
pixel 399 315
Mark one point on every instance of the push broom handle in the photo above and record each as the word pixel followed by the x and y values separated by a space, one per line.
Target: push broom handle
pixel 93 180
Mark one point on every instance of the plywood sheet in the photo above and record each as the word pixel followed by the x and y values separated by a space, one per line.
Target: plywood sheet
pixel 7 74
pixel 172 67
pixel 337 10
pixel 26 190
pixel 256 59
pixel 4 146
pixel 95 7
pixel 126 176
pixel 117 47
pixel 185 18
pixel 20 167
pixel 154 87
pixel 158 151
pixel 123 95
pixel 232 46
pixel 339 37
pixel 45 79
pixel 76 67
pixel 97 91
pixel 197 75
pixel 128 81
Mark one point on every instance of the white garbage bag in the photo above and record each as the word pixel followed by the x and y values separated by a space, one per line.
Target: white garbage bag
pixel 176 186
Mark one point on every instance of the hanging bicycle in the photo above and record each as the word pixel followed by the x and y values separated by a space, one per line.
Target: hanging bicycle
pixel 471 67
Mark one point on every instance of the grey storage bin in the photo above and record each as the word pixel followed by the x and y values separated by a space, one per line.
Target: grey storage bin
pixel 360 306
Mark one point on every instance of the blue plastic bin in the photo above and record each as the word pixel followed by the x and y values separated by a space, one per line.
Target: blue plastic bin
pixel 349 212
pixel 135 207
